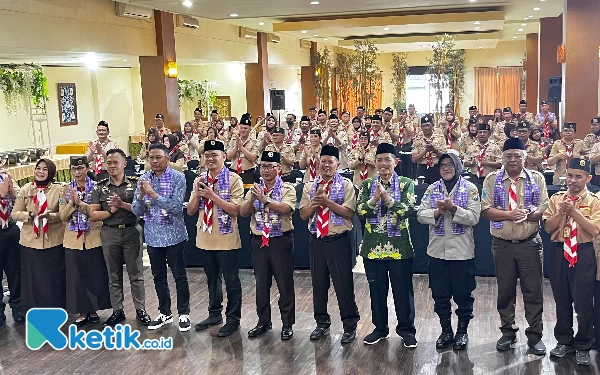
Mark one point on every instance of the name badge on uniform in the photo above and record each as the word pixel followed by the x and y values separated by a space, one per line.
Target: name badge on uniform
pixel 567 233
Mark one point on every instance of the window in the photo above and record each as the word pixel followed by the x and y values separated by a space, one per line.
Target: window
pixel 420 93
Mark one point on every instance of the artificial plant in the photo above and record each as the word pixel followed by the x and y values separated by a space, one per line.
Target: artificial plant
pixel 456 78
pixel 366 75
pixel 323 67
pixel 344 77
pixel 439 66
pixel 398 80
pixel 23 85
pixel 194 94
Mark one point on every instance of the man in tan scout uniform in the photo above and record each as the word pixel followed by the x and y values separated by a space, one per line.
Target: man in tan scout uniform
pixel 573 220
pixel 564 150
pixel 379 134
pixel 218 194
pixel 523 115
pixel 473 112
pixel 427 149
pixel 362 159
pixel 483 157
pixel 334 136
pixel 286 152
pixel 535 154
pixel 595 155
pixel 243 152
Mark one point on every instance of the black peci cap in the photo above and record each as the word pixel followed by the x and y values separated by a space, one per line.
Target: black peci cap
pixel 385 148
pixel 271 156
pixel 570 125
pixel 582 164
pixel 160 116
pixel 484 126
pixel 473 108
pixel 278 130
pixel 513 144
pixel 376 118
pixel 245 121
pixel 305 118
pixel 328 150
pixel 426 119
pixel 523 101
pixel 78 160
pixel 315 131
pixel 214 145
pixel 321 112
pixel 333 116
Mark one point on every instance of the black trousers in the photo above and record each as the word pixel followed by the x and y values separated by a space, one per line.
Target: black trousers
pixel 574 287
pixel 332 261
pixel 523 262
pixel 225 262
pixel 173 256
pixel 452 279
pixel 10 263
pixel 431 174
pixel 275 260
pixel 380 273
pixel 597 313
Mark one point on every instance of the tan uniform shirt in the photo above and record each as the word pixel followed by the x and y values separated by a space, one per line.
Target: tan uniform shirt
pixel 595 151
pixel 437 141
pixel 251 145
pixel 216 240
pixel 381 137
pixel 498 128
pixel 288 196
pixel 534 150
pixel 455 132
pixel 511 230
pixel 90 154
pixel 415 122
pixel 466 142
pixel 310 151
pixel 201 127
pixel 409 127
pixel 492 155
pixel 528 116
pixel 286 151
pixel 349 202
pixel 588 205
pixel 358 165
pixel 560 170
pixel 24 204
pixel 162 132
pixel 342 146
pixel 90 239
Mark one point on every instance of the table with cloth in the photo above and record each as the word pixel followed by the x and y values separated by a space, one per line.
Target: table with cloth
pixel 23 174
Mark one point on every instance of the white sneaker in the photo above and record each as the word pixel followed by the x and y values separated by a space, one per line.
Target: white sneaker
pixel 160 321
pixel 184 323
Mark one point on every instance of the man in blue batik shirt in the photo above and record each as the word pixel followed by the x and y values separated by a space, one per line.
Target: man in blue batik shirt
pixel 159 199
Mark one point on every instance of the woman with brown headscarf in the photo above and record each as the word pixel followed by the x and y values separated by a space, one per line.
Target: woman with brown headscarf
pixel 42 254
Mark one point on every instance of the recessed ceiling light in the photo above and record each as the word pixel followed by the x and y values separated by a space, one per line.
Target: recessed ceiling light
pixel 124 60
pixel 526 19
pixel 520 30
pixel 536 8
pixel 325 39
pixel 386 28
pixel 517 33
pixel 523 24
pixel 476 23
pixel 233 15
pixel 303 31
pixel 261 23
pixel 314 3
pixel 529 16
pixel 472 1
pixel 476 28
pixel 514 37
pixel 316 35
pixel 480 47
pixel 188 3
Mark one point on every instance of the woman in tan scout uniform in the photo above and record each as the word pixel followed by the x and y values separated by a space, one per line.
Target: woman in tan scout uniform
pixel 42 253
pixel 362 159
pixel 309 156
pixel 87 278
pixel 243 152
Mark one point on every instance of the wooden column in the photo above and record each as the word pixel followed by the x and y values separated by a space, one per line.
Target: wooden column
pixel 550 37
pixel 531 69
pixel 307 84
pixel 159 92
pixel 580 70
pixel 257 80
pixel 334 94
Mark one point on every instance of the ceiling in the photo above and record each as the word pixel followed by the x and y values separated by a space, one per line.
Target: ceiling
pixel 393 25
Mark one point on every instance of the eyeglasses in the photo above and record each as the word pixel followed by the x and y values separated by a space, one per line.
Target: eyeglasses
pixel 268 167
pixel 156 157
pixel 78 169
pixel 446 166
pixel 513 156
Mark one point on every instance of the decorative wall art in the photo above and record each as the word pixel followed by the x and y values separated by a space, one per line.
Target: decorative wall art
pixel 67 104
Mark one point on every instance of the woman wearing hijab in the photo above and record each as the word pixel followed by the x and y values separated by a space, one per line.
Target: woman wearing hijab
pixel 151 139
pixel 451 131
pixel 469 138
pixel 42 252
pixel 190 137
pixel 451 207
pixel 86 275
pixel 177 159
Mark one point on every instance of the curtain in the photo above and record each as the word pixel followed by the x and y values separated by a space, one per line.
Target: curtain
pixel 497 87
pixel 486 87
pixel 509 87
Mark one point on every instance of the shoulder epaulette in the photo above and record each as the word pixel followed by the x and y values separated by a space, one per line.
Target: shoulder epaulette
pixel 102 181
pixel 133 177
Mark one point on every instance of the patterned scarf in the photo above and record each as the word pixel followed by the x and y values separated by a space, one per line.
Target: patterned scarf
pixel 39 199
pixel 354 141
pixel 541 120
pixel 80 222
pixel 429 154
pixel 532 194
pixel 6 206
pixel 569 150
pixel 165 189
pixel 459 199
pixel 274 219
pixel 336 194
pixel 393 224
pixel 223 191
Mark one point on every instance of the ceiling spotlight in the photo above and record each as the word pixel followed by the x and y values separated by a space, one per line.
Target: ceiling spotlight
pixel 233 15
pixel 90 60
pixel 188 3
pixel 261 23
pixel 316 35
pixel 386 28
pixel 536 8
pixel 303 31
pixel 480 47
pixel 520 30
pixel 526 19
pixel 476 23
pixel 124 60
pixel 472 1
pixel 523 24
pixel 514 37
pixel 476 28
pixel 325 39
pixel 529 16
pixel 314 3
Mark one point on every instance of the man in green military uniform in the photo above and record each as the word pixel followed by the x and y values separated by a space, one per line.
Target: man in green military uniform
pixel 386 201
pixel 111 204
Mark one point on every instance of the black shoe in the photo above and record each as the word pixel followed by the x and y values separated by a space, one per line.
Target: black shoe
pixel 117 317
pixel 410 341
pixel 228 329
pixel 93 319
pixel 505 343
pixel 259 330
pixel 208 322
pixel 2 318
pixel 374 337
pixel 160 321
pixel 446 338
pixel 287 333
pixel 81 323
pixel 561 350
pixel 538 349
pixel 143 317
pixel 461 340
pixel 319 332
pixel 582 358
pixel 348 337
pixel 17 316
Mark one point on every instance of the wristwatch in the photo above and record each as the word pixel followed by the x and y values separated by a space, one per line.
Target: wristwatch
pixel 269 200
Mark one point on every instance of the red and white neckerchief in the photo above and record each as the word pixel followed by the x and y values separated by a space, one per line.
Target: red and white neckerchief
pixel 512 195
pixel 266 224
pixel 569 149
pixel 323 213
pixel 312 167
pixel 401 135
pixel 374 136
pixel 598 139
pixel 207 222
pixel 449 131
pixel 570 246
pixel 39 199
pixel 174 150
pixel 354 141
pixel 290 137
pixel 3 209
pixel 99 159
pixel 238 165
pixel 482 149
pixel 81 193
pixel 547 129
pixel 429 154
pixel 364 173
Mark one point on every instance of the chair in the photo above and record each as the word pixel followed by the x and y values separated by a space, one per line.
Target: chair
pixel 190 176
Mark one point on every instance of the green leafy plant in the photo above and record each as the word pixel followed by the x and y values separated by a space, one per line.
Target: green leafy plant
pixel 23 85
pixel 456 78
pixel 398 80
pixel 439 66
pixel 194 94
pixel 366 75
pixel 322 65
pixel 344 77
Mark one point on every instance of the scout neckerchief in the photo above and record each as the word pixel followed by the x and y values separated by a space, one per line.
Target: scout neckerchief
pixel 354 141
pixel 5 208
pixel 401 128
pixel 532 195
pixel 393 224
pixel 223 191
pixel 319 224
pixel 459 199
pixel 39 199
pixel 542 119
pixel 570 234
pixel 238 165
pixel 268 221
pixel 174 149
pixel 99 158
pixel 429 154
pixel 165 189
pixel 364 172
pixel 569 149
pixel 290 134
pixel 80 222
pixel 312 166
pixel 482 149
pixel 449 127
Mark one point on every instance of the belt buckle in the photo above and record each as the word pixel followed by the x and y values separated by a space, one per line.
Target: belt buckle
pixel 121 226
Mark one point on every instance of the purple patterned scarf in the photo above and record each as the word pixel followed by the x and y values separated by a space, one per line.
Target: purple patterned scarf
pixel 165 189
pixel 459 199
pixel 532 195
pixel 79 221
pixel 393 226
pixel 223 191
pixel 540 117
pixel 336 194
pixel 274 218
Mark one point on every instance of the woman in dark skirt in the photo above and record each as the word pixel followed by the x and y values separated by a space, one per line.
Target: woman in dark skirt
pixel 42 253
pixel 87 278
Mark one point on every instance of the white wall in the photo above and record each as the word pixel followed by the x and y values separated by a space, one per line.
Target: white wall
pixel 288 79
